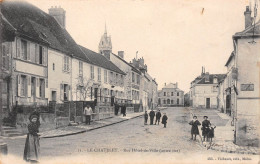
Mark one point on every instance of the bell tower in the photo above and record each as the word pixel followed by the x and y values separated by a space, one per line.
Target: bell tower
pixel 105 44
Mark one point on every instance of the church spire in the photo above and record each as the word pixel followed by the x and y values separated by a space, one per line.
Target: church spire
pixel 105 28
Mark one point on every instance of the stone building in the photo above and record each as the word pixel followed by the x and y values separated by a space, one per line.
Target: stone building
pixel 204 91
pixel 171 95
pixel 243 82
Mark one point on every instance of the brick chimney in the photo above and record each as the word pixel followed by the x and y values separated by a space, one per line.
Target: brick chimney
pixel 121 54
pixel 59 14
pixel 248 18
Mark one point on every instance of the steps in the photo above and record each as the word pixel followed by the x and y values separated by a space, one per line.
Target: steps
pixel 10 132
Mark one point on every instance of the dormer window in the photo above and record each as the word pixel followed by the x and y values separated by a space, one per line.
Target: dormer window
pixel 215 80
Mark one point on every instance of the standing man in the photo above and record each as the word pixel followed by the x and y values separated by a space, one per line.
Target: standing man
pixel 158 117
pixel 205 127
pixel 145 117
pixel 88 112
pixel 151 114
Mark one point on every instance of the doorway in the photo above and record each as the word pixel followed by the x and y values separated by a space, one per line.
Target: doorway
pixel 208 103
pixel 53 95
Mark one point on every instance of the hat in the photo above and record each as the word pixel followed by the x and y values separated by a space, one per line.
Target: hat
pixel 33 116
pixel 194 116
pixel 205 116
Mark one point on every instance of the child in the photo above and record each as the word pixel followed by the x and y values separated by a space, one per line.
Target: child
pixel 194 127
pixel 211 132
pixel 145 117
pixel 164 120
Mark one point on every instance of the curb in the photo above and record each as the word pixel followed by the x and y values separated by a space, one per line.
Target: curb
pixel 83 131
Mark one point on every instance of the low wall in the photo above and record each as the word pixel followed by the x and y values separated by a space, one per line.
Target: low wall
pixel 47 120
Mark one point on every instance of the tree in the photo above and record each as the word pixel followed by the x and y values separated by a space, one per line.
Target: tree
pixel 83 87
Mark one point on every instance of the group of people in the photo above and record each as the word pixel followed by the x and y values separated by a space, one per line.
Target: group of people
pixel 157 116
pixel 207 129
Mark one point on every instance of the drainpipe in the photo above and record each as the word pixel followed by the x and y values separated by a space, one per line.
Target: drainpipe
pixel 235 96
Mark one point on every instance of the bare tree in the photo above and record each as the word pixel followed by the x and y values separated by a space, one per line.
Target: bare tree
pixel 83 87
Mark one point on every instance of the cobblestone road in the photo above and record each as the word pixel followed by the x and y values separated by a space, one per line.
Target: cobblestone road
pixel 122 137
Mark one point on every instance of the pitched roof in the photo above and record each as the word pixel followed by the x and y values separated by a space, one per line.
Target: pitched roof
pixel 36 25
pixel 8 31
pixel 230 58
pixel 211 77
pixel 100 60
pixel 133 68
pixel 248 32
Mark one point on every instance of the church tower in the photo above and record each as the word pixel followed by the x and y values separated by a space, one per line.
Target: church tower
pixel 105 45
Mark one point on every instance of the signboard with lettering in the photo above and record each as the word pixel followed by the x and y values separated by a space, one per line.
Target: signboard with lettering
pixel 247 87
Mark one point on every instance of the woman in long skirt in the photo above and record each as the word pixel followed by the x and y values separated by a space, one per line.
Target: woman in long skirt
pixel 32 145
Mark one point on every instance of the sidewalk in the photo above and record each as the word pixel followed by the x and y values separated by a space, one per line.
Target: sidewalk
pixel 224 132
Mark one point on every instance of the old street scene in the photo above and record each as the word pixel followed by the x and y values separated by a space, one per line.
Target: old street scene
pixel 133 81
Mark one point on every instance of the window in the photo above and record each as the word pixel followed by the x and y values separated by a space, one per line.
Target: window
pixel 66 92
pixel 171 101
pixel 178 101
pixel 24 50
pixel 53 67
pixel 92 75
pixel 41 55
pixel 105 76
pixel 138 79
pixel 172 93
pixel 122 80
pixel 5 52
pixel 164 93
pixel 177 93
pixel 117 79
pixel 164 101
pixel 133 77
pixel 80 68
pixel 42 88
pixel 111 77
pixel 99 74
pixel 23 86
pixel 66 63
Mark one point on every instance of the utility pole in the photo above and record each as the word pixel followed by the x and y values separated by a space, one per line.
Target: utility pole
pixel 3 146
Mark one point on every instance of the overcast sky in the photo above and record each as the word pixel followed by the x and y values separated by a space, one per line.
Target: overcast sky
pixel 173 36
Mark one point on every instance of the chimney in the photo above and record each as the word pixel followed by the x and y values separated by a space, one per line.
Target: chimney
pixel 248 18
pixel 59 15
pixel 164 84
pixel 176 84
pixel 121 54
pixel 206 77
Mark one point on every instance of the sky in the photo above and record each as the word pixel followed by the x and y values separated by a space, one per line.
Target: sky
pixel 174 37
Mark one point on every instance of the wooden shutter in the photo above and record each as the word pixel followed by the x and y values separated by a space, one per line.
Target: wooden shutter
pixel 45 57
pixel 28 86
pixel 37 87
pixel 28 51
pixel 18 85
pixel 18 48
pixel 37 53
pixel 61 92
pixel 46 88
pixel 32 52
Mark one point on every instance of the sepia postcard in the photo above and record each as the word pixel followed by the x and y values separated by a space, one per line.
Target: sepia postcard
pixel 129 81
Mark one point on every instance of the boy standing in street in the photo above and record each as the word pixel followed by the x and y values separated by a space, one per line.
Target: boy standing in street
pixel 88 112
pixel 145 117
pixel 164 120
pixel 158 117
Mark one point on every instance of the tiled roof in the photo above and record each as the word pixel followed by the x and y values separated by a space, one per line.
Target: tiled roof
pixel 211 76
pixel 100 60
pixel 8 31
pixel 36 25
pixel 171 85
pixel 133 68
pixel 230 58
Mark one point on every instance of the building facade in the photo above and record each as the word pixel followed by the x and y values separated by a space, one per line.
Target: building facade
pixel 171 95
pixel 204 91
